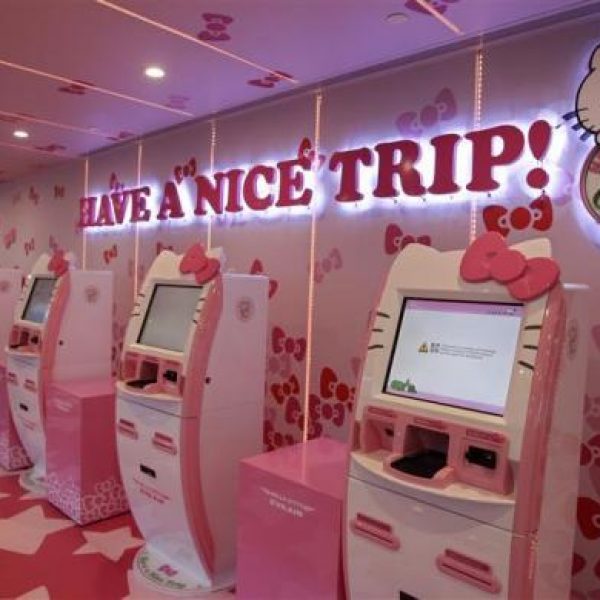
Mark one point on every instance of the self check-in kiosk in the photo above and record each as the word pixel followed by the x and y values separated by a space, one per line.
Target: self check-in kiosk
pixel 189 408
pixel 464 481
pixel 12 453
pixel 60 332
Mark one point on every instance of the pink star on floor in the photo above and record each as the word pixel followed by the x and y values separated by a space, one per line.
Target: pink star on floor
pixel 40 593
pixel 111 544
pixel 25 532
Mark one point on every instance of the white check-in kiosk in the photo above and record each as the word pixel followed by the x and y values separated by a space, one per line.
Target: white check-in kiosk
pixel 464 481
pixel 189 407
pixel 12 453
pixel 61 331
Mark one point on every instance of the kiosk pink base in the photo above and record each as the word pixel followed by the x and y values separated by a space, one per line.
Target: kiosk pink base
pixel 82 477
pixel 290 511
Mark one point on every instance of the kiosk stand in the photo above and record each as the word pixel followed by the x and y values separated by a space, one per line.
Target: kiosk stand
pixel 465 481
pixel 189 408
pixel 60 333
pixel 12 453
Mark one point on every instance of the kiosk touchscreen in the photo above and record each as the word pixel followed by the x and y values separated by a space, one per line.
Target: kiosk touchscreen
pixel 59 333
pixel 189 408
pixel 12 453
pixel 464 481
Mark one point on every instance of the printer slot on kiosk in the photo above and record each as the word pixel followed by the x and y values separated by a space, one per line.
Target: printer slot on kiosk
pixel 464 481
pixel 189 407
pixel 12 453
pixel 60 332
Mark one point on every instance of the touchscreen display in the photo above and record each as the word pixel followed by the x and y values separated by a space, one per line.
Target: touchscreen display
pixel 455 353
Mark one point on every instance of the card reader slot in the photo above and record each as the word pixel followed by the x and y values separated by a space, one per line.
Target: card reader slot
pixel 147 471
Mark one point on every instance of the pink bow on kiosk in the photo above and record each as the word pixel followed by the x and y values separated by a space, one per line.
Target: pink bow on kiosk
pixel 58 264
pixel 195 261
pixel 489 258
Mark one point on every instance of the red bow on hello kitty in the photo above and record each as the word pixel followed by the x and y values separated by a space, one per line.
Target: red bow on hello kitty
pixel 195 261
pixel 489 258
pixel 538 214
pixel 283 343
pixel 58 264
pixel 187 170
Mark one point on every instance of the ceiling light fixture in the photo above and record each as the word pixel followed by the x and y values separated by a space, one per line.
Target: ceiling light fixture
pixel 93 88
pixel 21 134
pixel 154 72
pixel 396 18
pixel 191 38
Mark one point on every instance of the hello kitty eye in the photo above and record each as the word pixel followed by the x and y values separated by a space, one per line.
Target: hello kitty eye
pixel 503 221
pixel 536 214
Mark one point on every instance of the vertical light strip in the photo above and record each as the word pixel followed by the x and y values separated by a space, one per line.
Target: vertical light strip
pixel 86 193
pixel 136 247
pixel 311 275
pixel 477 112
pixel 213 145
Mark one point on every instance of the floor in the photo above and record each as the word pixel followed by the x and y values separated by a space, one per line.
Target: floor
pixel 44 555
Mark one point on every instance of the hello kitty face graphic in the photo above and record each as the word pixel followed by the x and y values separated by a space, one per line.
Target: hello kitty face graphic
pixel 588 98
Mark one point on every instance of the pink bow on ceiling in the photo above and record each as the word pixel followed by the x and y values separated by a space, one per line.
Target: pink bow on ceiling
pixel 58 264
pixel 195 261
pixel 489 258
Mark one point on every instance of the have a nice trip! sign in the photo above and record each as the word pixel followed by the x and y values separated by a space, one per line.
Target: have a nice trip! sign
pixel 394 167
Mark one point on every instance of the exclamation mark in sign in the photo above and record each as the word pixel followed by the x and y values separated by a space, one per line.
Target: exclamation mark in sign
pixel 539 137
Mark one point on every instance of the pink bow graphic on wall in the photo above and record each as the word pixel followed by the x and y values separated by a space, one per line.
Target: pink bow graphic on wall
pixel 413 123
pixel 332 262
pixel 187 170
pixel 195 261
pixel 284 343
pixel 538 214
pixel 58 264
pixel 489 258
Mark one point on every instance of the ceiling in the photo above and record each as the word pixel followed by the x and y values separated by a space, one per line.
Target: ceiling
pixel 72 71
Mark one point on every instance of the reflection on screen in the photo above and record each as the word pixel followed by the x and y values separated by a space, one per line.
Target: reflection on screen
pixel 38 303
pixel 455 353
pixel 169 316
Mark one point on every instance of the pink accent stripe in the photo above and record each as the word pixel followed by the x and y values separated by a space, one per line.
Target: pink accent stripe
pixel 469 570
pixel 50 340
pixel 375 530
pixel 530 481
pixel 190 434
pixel 128 429
pixel 164 444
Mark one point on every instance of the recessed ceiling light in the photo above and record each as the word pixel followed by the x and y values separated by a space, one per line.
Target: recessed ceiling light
pixel 396 18
pixel 19 133
pixel 154 72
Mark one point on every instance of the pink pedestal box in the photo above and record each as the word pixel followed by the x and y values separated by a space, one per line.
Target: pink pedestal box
pixel 83 475
pixel 12 453
pixel 290 512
